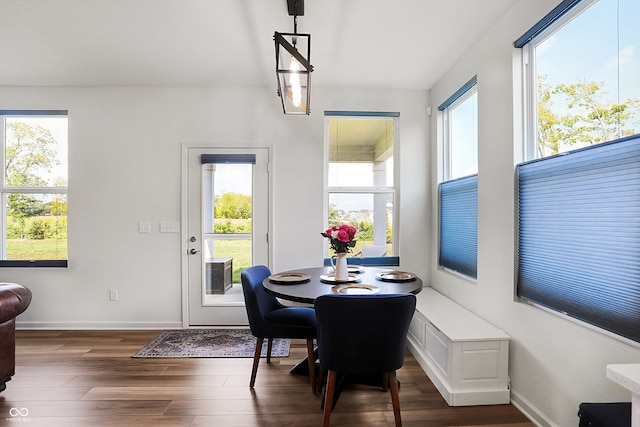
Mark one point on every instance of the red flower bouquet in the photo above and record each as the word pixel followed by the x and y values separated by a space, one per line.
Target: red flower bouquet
pixel 341 237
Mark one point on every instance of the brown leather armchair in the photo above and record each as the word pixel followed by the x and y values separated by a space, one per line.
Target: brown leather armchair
pixel 14 299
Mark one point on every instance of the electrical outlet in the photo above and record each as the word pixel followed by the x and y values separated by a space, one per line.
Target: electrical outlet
pixel 113 294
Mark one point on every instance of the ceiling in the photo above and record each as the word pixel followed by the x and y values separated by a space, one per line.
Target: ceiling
pixel 390 44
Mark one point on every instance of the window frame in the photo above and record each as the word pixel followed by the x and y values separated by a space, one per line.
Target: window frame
pixel 456 260
pixel 393 190
pixel 463 94
pixel 553 22
pixel 5 190
pixel 567 300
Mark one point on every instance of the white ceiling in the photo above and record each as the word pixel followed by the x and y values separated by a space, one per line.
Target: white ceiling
pixel 397 44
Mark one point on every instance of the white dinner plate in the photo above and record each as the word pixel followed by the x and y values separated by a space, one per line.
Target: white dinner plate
pixel 331 278
pixel 355 289
pixel 396 276
pixel 289 278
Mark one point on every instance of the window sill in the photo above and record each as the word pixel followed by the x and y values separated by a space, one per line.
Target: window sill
pixel 34 263
pixel 383 261
pixel 472 280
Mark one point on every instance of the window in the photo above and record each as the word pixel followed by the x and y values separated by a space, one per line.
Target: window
pixel 583 83
pixel 458 191
pixel 578 230
pixel 579 234
pixel 34 189
pixel 361 180
pixel 460 115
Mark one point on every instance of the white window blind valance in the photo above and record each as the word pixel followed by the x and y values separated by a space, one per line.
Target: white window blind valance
pixel 579 234
pixel 549 19
pixel 458 94
pixel 228 158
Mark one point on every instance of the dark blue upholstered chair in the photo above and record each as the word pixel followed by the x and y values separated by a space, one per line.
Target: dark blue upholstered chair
pixel 363 335
pixel 270 319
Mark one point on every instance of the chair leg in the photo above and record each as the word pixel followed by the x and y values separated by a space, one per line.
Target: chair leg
pixel 328 397
pixel 312 365
pixel 269 345
pixel 256 360
pixel 385 382
pixel 321 378
pixel 395 398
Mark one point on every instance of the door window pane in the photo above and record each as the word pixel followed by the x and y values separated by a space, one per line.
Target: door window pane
pixel 228 218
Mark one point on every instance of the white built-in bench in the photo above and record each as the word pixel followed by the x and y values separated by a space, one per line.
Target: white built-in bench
pixel 465 357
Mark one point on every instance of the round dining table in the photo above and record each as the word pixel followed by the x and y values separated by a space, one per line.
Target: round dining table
pixel 306 284
pixel 318 281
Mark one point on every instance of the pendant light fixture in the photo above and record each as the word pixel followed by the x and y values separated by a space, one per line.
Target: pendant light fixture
pixel 293 68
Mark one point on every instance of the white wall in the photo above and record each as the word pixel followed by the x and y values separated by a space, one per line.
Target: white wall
pixel 125 167
pixel 554 363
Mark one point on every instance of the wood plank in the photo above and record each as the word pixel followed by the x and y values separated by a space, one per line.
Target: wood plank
pixel 81 378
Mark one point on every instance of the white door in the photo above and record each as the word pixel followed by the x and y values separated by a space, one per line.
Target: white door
pixel 227 213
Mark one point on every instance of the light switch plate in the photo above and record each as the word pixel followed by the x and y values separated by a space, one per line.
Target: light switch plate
pixel 169 227
pixel 144 227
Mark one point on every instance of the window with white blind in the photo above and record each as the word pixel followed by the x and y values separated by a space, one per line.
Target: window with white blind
pixel 579 202
pixel 579 234
pixel 458 191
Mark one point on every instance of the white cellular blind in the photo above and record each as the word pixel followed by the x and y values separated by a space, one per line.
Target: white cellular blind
pixel 459 225
pixel 579 234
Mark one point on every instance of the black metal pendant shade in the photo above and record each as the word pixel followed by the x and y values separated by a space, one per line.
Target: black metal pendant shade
pixel 293 68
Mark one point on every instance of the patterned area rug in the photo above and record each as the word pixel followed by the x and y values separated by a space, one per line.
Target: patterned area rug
pixel 177 343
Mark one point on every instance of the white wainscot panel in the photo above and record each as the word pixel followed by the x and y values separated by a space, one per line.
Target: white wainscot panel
pixel 465 357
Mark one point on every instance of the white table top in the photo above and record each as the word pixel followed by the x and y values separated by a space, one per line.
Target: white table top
pixel 627 375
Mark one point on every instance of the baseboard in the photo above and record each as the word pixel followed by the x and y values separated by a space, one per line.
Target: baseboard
pixel 28 325
pixel 530 411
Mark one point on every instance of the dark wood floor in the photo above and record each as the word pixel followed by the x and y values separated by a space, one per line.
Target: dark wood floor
pixel 88 379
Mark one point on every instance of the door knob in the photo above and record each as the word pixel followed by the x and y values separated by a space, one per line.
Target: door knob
pixel 193 251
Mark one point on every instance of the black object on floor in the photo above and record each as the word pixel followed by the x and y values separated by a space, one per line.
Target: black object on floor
pixel 616 414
